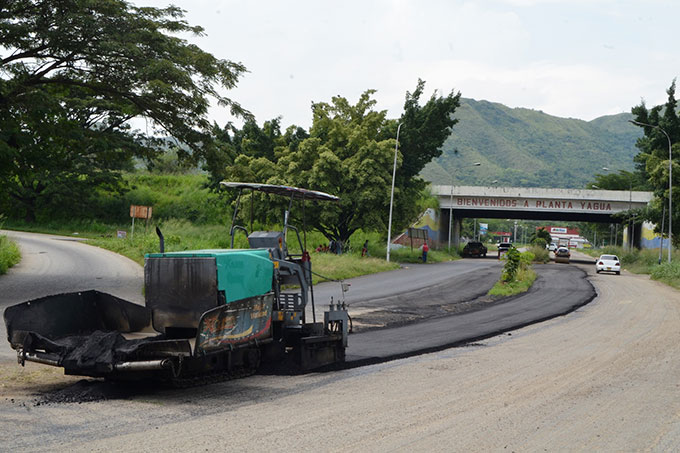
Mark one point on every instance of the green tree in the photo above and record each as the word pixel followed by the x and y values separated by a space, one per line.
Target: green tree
pixel 424 130
pixel 621 180
pixel 349 152
pixel 653 159
pixel 343 155
pixel 74 73
pixel 541 237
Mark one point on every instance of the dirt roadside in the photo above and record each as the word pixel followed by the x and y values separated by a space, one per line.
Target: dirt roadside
pixel 603 378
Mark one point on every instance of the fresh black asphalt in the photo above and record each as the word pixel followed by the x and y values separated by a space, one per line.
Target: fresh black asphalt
pixel 558 290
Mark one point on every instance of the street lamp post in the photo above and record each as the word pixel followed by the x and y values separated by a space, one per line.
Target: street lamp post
pixel 670 182
pixel 394 173
pixel 476 164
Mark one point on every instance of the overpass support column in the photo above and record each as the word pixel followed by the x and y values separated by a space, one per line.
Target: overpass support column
pixel 633 236
pixel 457 225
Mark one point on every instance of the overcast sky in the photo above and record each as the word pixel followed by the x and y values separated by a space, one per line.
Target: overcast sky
pixel 569 58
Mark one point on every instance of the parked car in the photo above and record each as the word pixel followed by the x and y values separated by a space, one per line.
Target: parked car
pixel 608 263
pixel 552 247
pixel 562 255
pixel 474 249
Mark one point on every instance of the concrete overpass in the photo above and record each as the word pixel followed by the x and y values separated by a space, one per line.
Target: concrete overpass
pixel 532 203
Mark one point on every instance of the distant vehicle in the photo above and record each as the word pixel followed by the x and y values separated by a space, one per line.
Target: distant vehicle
pixel 503 248
pixel 563 242
pixel 608 263
pixel 474 249
pixel 562 255
pixel 552 247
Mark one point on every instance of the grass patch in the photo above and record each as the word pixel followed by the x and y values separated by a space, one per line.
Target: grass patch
pixel 182 235
pixel 405 255
pixel 525 278
pixel 327 266
pixel 179 235
pixel 9 254
pixel 668 273
pixel 541 254
pixel 517 276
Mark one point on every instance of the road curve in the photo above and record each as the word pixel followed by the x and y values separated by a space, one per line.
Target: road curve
pixel 60 264
pixel 558 290
pixel 603 378
pixel 53 264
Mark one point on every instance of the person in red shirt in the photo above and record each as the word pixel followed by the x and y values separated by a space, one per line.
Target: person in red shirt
pixel 425 250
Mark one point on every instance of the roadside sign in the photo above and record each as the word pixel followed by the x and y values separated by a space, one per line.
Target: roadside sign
pixel 139 212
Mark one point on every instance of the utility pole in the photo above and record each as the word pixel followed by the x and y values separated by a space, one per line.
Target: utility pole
pixel 394 173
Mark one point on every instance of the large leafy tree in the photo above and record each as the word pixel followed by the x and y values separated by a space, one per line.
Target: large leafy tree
pixel 349 152
pixel 541 237
pixel 653 157
pixel 424 129
pixel 74 73
pixel 343 154
pixel 346 156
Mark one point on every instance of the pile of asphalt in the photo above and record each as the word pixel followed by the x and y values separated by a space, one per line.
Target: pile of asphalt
pixel 92 390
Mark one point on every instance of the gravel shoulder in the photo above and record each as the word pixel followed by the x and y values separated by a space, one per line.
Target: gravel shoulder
pixel 603 378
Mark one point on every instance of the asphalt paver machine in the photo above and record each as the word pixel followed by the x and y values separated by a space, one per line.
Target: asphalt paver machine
pixel 208 314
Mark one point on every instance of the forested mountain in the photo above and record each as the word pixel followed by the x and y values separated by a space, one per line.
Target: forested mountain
pixel 528 148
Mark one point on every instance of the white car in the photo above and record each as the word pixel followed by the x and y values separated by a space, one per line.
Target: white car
pixel 608 263
pixel 552 247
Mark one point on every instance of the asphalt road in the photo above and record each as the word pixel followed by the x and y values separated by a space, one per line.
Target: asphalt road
pixel 558 290
pixel 603 378
pixel 61 264
pixel 412 293
pixel 416 301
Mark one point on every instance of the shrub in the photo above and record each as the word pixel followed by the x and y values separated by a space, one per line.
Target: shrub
pixel 512 264
pixel 517 274
pixel 541 254
pixel 9 254
pixel 539 242
pixel 668 273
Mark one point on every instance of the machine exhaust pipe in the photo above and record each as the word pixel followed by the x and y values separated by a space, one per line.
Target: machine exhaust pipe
pixel 37 357
pixel 143 365
pixel 161 238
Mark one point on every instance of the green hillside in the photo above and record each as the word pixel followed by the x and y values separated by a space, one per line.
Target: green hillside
pixel 528 148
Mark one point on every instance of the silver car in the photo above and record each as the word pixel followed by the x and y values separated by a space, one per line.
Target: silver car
pixel 562 255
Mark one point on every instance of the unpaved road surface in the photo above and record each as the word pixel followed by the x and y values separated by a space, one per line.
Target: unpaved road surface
pixel 603 378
